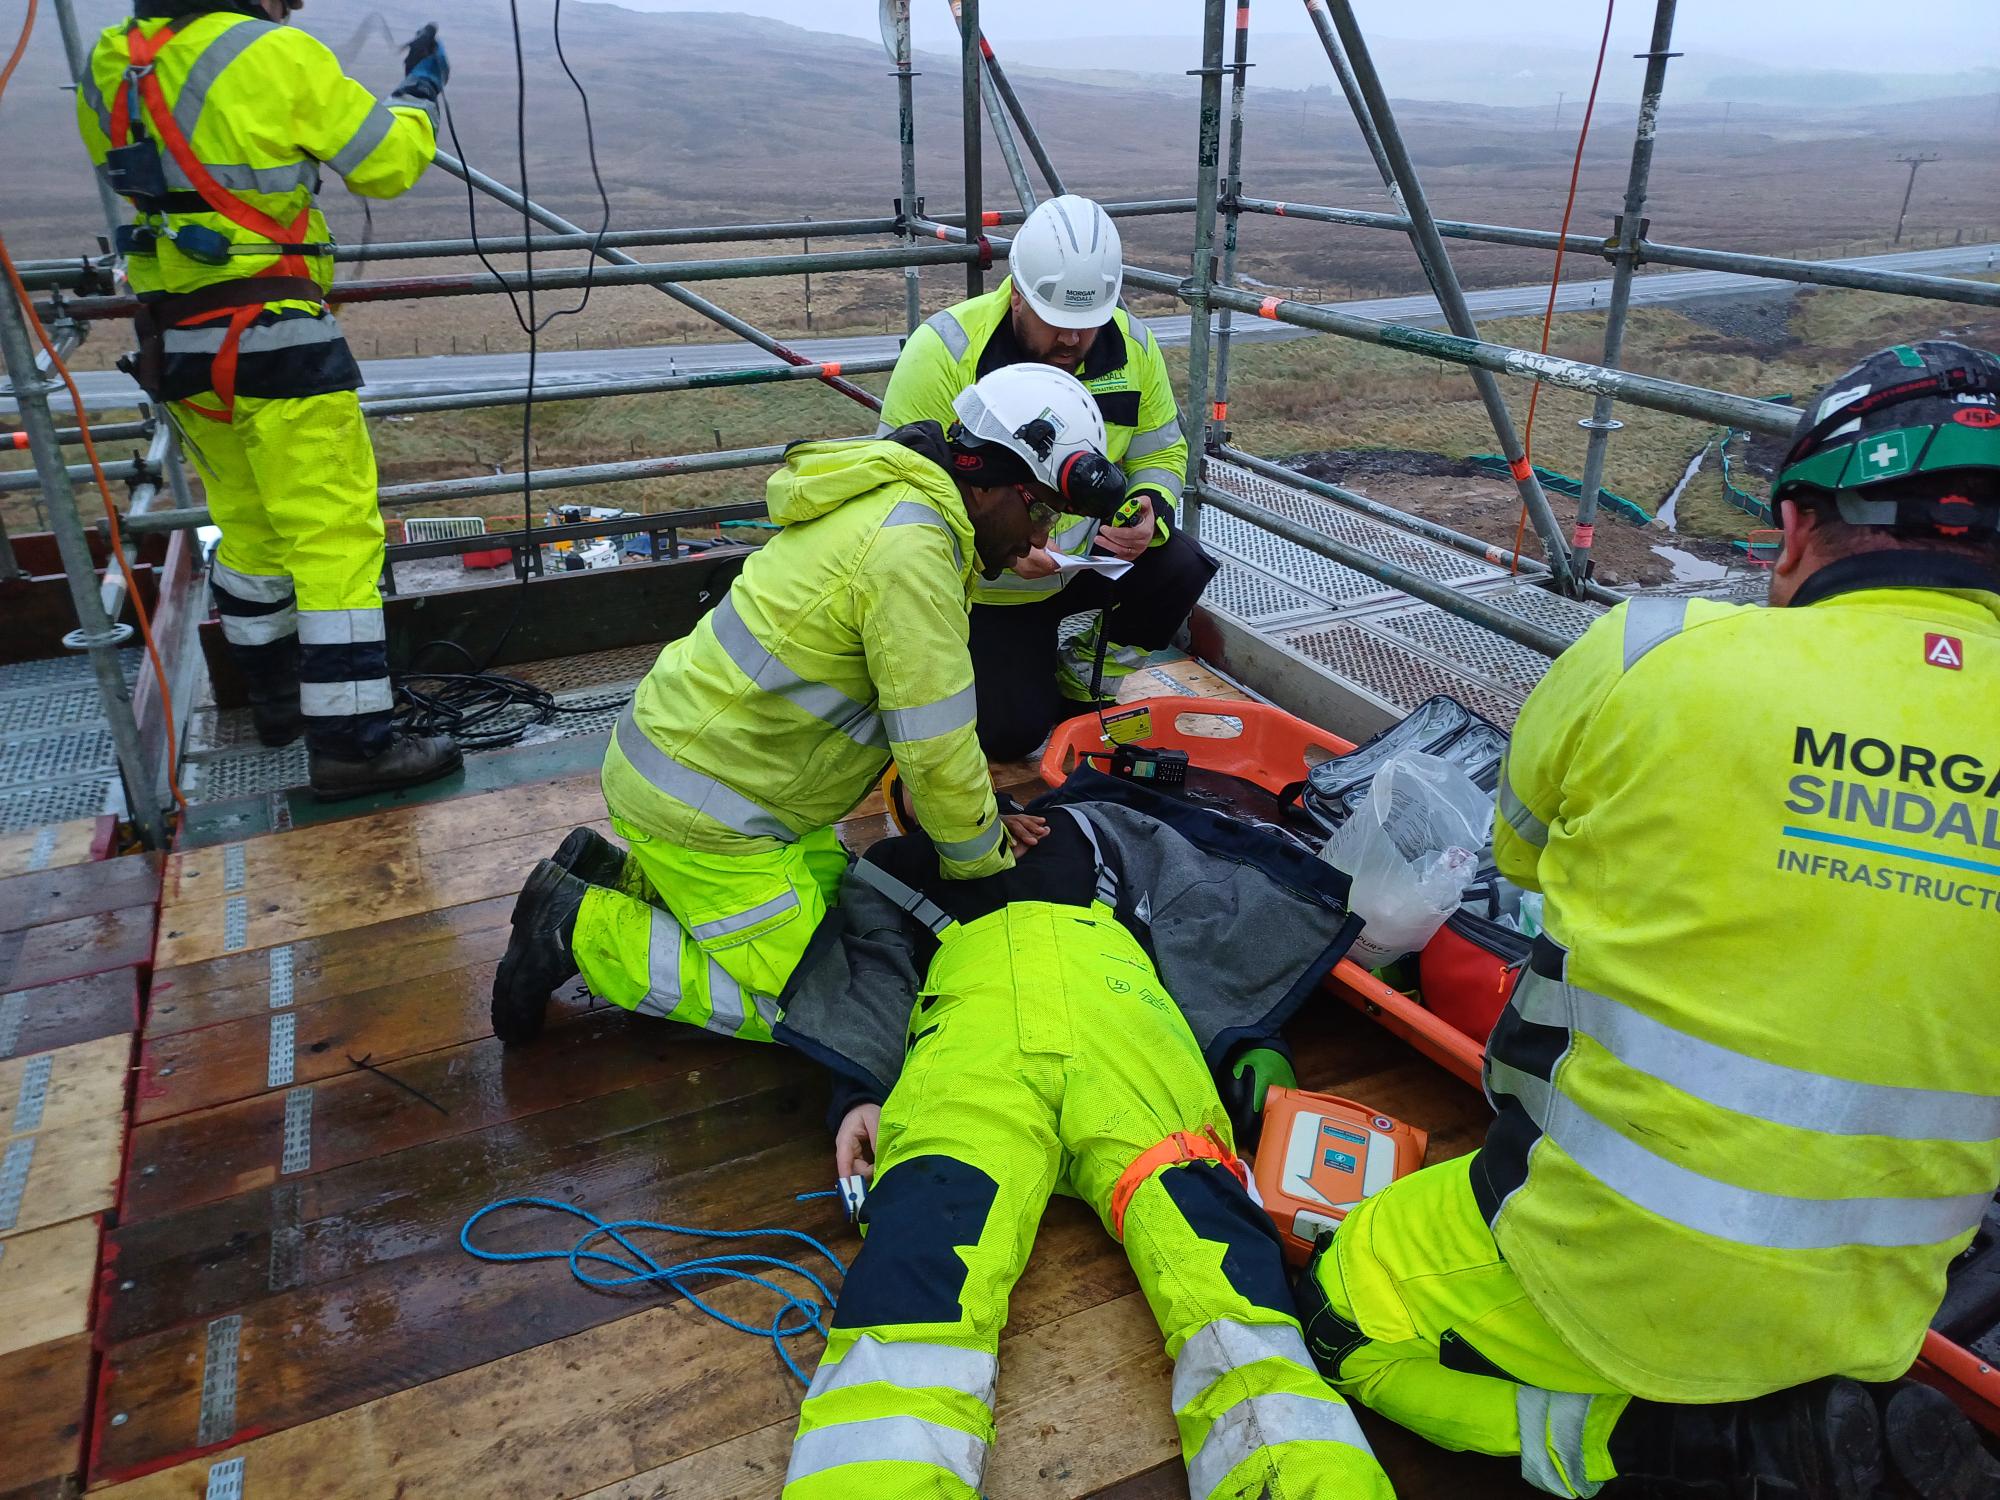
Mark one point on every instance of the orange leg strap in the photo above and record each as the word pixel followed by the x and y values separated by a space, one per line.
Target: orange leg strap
pixel 1181 1146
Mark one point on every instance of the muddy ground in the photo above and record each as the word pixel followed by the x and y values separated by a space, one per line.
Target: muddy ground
pixel 1459 495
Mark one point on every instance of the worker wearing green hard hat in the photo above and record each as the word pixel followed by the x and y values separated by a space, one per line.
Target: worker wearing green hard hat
pixel 1746 1093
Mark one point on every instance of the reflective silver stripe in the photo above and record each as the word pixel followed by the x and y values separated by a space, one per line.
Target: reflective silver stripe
pixel 1262 1422
pixel 822 701
pixel 910 1367
pixel 663 966
pixel 1158 440
pixel 256 588
pixel 1139 328
pixel 94 97
pixel 330 700
pixel 340 627
pixel 1077 536
pixel 1743 1216
pixel 263 338
pixel 725 1001
pixel 1553 1419
pixel 217 55
pixel 929 720
pixel 401 100
pixel 908 897
pixel 909 1440
pixel 1107 878
pixel 240 177
pixel 948 328
pixel 910 513
pixel 768 1010
pixel 764 910
pixel 260 630
pixel 1752 1085
pixel 883 429
pixel 1520 817
pixel 1225 1346
pixel 372 132
pixel 704 794
pixel 1165 480
pixel 965 851
pixel 1649 620
pixel 1014 583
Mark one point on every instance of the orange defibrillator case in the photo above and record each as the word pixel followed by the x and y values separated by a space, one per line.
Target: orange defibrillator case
pixel 1319 1155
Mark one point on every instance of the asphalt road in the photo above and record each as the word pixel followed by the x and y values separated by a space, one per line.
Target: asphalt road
pixel 436 374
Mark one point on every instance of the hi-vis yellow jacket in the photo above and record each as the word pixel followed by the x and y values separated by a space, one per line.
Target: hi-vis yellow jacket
pixel 841 643
pixel 1749 1086
pixel 1124 370
pixel 264 108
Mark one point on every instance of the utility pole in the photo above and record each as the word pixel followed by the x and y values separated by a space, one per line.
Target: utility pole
pixel 1914 163
pixel 1559 113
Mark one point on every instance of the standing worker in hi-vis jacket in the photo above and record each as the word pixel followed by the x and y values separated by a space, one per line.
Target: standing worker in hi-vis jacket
pixel 215 120
pixel 1058 306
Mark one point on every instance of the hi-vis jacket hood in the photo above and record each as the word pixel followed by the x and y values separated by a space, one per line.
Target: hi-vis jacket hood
pixel 841 644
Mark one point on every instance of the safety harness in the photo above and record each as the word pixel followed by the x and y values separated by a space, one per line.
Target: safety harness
pixel 241 301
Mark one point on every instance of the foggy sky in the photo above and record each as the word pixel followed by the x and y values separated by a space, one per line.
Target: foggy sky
pixel 1937 36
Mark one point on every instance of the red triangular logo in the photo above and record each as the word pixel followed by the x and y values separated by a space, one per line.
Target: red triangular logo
pixel 1944 651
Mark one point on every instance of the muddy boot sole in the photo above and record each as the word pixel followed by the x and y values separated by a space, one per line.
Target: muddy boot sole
pixel 538 958
pixel 1935 1449
pixel 590 857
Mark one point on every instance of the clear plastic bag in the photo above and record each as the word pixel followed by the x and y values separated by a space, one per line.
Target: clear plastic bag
pixel 1409 851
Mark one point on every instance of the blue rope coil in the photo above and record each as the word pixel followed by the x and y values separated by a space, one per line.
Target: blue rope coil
pixel 635 1267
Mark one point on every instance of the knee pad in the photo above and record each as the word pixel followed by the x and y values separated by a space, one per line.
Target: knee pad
pixel 924 1211
pixel 1218 1209
pixel 1329 1337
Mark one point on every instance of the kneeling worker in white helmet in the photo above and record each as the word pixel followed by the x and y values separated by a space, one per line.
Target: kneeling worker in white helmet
pixel 841 643
pixel 1058 306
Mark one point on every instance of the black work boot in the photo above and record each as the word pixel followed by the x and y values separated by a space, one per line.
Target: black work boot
pixel 408 760
pixel 1814 1442
pixel 1935 1450
pixel 271 678
pixel 590 857
pixel 539 954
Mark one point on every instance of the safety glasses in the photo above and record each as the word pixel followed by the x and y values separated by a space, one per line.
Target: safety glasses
pixel 1041 515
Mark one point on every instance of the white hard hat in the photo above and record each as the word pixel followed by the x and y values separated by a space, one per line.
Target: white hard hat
pixel 1068 263
pixel 1045 416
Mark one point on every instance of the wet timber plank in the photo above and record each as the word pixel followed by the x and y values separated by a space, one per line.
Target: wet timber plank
pixel 45 1278
pixel 48 848
pixel 30 900
pixel 234 1148
pixel 71 1011
pixel 404 950
pixel 403 832
pixel 568 1416
pixel 357 894
pixel 607 1153
pixel 41 1422
pixel 76 948
pixel 69 1086
pixel 72 1173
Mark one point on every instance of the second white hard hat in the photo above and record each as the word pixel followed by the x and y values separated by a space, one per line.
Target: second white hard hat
pixel 1004 407
pixel 1068 264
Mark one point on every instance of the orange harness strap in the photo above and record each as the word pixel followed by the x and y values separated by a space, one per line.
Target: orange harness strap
pixel 1179 1147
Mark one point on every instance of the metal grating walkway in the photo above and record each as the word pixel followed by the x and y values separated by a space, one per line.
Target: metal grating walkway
pixel 1372 640
pixel 56 757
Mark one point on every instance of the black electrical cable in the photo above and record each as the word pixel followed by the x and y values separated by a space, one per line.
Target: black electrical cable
pixel 467 705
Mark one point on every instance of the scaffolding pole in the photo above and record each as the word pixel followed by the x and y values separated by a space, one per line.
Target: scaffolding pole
pixel 617 239
pixel 907 206
pixel 78 56
pixel 1416 585
pixel 406 406
pixel 969 107
pixel 1357 106
pixel 1195 291
pixel 714 313
pixel 95 631
pixel 996 112
pixel 1631 224
pixel 1232 183
pixel 1029 136
pixel 1444 282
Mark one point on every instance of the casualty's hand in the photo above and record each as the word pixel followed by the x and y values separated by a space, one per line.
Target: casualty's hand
pixel 1024 830
pixel 854 1142
pixel 1130 542
pixel 1037 564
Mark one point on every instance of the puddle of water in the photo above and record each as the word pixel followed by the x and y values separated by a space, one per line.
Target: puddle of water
pixel 1665 514
pixel 1691 569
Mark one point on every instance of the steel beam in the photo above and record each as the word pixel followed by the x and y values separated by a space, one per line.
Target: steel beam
pixel 1437 265
pixel 1625 261
pixel 1195 291
pixel 95 632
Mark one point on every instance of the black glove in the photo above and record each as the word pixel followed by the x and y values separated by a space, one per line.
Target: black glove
pixel 425 67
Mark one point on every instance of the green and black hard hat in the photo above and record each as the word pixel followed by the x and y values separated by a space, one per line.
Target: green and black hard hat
pixel 1909 438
